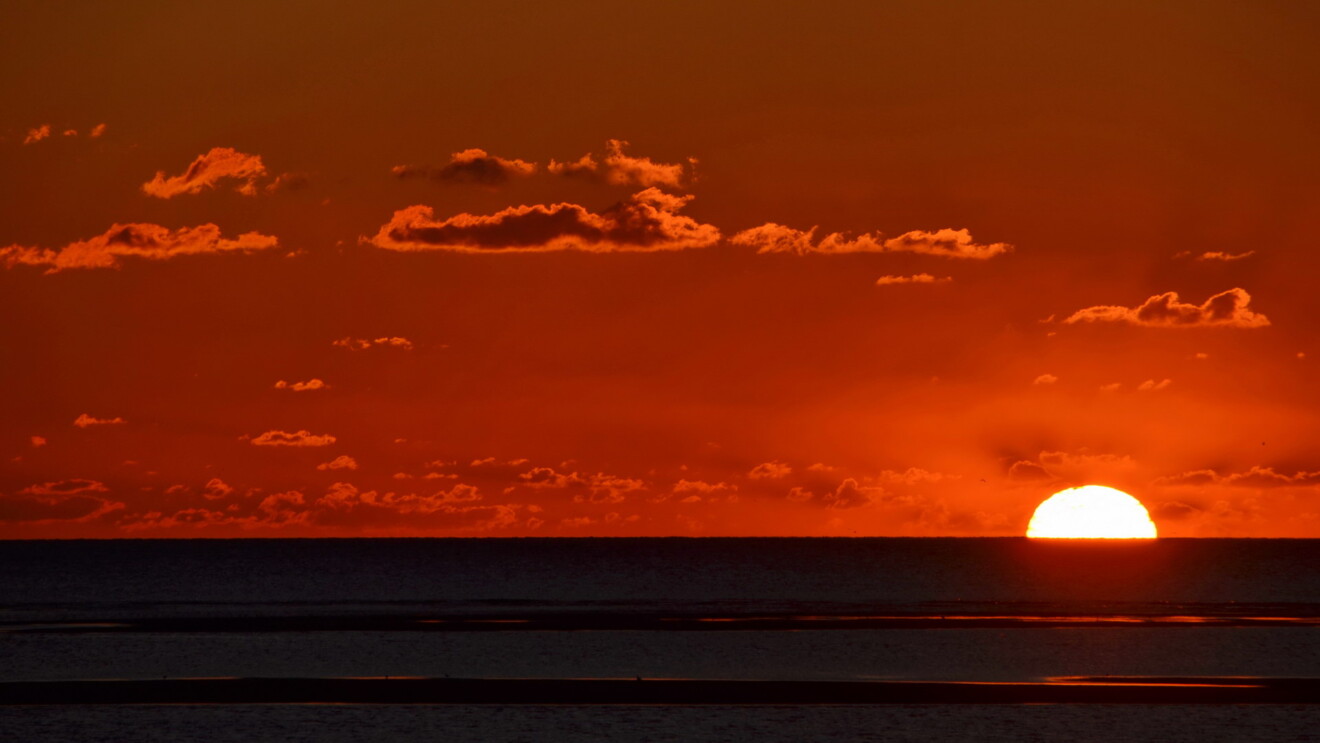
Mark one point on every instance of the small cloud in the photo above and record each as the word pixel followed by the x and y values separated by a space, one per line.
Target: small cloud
pixel 36 134
pixel 1201 356
pixel 702 487
pixel 820 467
pixel 341 462
pixel 1225 309
pixel 619 169
pixel 1045 379
pixel 288 182
pixel 770 471
pixel 470 166
pixel 851 494
pixel 311 384
pixel 138 240
pixel 38 441
pixel 362 344
pixel 946 243
pixel 1111 387
pixel 644 222
pixel 97 131
pixel 221 163
pixel 70 132
pixel 921 278
pixel 216 489
pixel 85 420
pixel 1151 385
pixel 1216 255
pixel 297 438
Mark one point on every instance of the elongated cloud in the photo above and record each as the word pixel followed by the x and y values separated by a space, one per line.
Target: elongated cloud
pixel 64 500
pixel 362 344
pixel 470 166
pixel 309 385
pixel 1218 255
pixel 297 438
pixel 1225 309
pixel 946 243
pixel 920 278
pixel 137 240
pixel 619 169
pixel 207 171
pixel 1256 477
pixel 646 221
pixel 85 420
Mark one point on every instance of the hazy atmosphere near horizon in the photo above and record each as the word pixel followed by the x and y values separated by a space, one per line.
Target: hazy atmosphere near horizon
pixel 703 269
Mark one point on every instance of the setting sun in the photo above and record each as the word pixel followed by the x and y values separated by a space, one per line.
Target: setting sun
pixel 1091 512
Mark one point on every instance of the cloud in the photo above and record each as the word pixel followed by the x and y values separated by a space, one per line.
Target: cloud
pixel 36 134
pixel 97 131
pixel 1256 477
pixel 1225 309
pixel 341 462
pixel 921 278
pixel 137 240
pixel 702 487
pixel 216 489
pixel 66 500
pixel 770 471
pixel 619 169
pixel 850 494
pixel 1151 385
pixel 37 441
pixel 85 420
pixel 362 344
pixel 597 488
pixel 470 166
pixel 347 497
pixel 1215 255
pixel 646 221
pixel 75 486
pixel 288 182
pixel 221 163
pixel 1045 379
pixel 297 438
pixel 311 384
pixel 947 243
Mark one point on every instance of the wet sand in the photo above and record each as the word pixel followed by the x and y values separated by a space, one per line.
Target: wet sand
pixel 1108 690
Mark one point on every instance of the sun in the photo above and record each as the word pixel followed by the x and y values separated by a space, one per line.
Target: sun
pixel 1091 512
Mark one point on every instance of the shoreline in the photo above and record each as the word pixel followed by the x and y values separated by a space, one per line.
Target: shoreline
pixel 413 690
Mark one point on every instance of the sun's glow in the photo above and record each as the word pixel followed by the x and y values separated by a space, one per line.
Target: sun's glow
pixel 1091 512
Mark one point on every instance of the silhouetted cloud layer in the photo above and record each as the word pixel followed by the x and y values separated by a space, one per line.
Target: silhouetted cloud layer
pixel 646 221
pixel 221 163
pixel 470 166
pixel 947 243
pixel 137 240
pixel 1225 309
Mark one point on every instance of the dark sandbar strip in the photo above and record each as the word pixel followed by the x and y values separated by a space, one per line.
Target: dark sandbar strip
pixel 637 622
pixel 661 691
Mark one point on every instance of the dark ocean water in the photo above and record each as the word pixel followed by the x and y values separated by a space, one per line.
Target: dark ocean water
pixel 782 609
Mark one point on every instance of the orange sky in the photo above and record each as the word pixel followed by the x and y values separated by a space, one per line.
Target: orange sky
pixel 590 269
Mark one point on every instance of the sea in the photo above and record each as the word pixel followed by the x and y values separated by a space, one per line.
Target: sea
pixel 933 615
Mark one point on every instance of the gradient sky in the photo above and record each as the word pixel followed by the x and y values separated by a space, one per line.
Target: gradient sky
pixel 408 268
